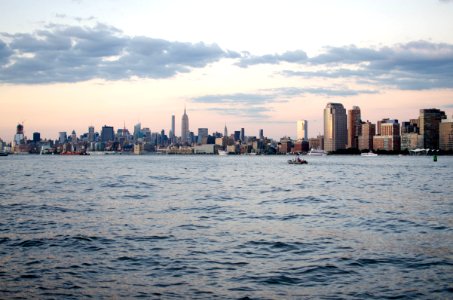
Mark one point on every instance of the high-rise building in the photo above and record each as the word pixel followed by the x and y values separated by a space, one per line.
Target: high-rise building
pixel 302 130
pixel 446 135
pixel 261 134
pixel 36 137
pixel 172 132
pixel 242 137
pixel 354 127
pixel 137 131
pixel 389 138
pixel 62 137
pixel 237 135
pixel 91 134
pixel 19 137
pixel 225 131
pixel 202 136
pixel 185 128
pixel 335 127
pixel 368 131
pixel 107 134
pixel 429 122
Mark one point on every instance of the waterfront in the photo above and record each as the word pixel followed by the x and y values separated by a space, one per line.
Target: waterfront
pixel 226 227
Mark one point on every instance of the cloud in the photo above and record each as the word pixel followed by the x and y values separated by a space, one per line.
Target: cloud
pixel 412 66
pixel 297 56
pixel 61 53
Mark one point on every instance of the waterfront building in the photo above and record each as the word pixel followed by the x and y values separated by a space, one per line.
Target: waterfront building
pixel 185 133
pixel 172 132
pixel 446 135
pixel 62 137
pixel 368 131
pixel 389 138
pixel 36 137
pixel 302 130
pixel 91 134
pixel 237 135
pixel 335 127
pixel 242 136
pixel 137 131
pixel 354 127
pixel 107 134
pixel 316 143
pixel 261 135
pixel 430 120
pixel 411 141
pixel 202 137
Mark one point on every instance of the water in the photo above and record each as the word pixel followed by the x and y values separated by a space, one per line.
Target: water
pixel 230 227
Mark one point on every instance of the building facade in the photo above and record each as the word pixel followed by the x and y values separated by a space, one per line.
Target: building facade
pixel 446 135
pixel 185 128
pixel 354 127
pixel 302 130
pixel 429 122
pixel 335 127
pixel 368 131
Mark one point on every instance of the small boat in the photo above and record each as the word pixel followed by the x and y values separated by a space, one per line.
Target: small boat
pixel 368 154
pixel 223 152
pixel 297 161
pixel 3 153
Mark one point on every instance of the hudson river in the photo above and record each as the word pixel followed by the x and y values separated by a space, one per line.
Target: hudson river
pixel 206 227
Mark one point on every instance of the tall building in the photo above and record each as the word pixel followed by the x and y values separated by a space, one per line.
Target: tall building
pixel 261 134
pixel 302 130
pixel 107 134
pixel 62 137
pixel 389 138
pixel 242 137
pixel 225 131
pixel 368 131
pixel 137 131
pixel 335 127
pixel 172 132
pixel 36 137
pixel 429 122
pixel 91 134
pixel 446 135
pixel 202 136
pixel 354 127
pixel 185 128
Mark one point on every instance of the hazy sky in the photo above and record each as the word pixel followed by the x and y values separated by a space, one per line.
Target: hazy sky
pixel 255 64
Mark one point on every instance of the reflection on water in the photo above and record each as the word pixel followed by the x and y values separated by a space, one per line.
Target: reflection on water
pixel 225 227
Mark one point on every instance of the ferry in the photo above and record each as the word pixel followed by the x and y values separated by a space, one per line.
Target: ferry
pixel 316 152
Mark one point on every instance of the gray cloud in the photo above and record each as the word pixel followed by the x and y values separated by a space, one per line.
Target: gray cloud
pixel 297 56
pixel 412 66
pixel 76 53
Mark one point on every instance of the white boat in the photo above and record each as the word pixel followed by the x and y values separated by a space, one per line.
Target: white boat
pixel 223 152
pixel 368 154
pixel 316 152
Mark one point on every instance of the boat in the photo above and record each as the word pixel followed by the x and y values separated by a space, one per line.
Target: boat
pixel 316 152
pixel 368 154
pixel 223 152
pixel 3 153
pixel 297 161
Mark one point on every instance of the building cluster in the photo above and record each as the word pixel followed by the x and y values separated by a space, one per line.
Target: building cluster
pixel 342 130
pixel 346 130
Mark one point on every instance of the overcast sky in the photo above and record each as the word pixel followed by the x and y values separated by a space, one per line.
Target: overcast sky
pixel 255 64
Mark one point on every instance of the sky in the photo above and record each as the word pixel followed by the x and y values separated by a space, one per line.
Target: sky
pixel 66 65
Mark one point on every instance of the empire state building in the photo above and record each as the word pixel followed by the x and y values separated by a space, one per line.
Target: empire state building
pixel 184 127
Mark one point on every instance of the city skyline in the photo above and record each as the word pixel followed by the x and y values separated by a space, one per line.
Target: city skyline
pixel 71 64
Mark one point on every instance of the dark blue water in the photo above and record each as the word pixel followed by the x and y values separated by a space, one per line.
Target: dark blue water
pixel 226 227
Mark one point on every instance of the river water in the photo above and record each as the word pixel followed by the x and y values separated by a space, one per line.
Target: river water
pixel 213 227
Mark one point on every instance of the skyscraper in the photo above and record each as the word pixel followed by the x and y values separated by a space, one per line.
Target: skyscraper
pixel 367 133
pixel 107 134
pixel 261 134
pixel 446 135
pixel 430 120
pixel 91 134
pixel 354 127
pixel 184 127
pixel 172 132
pixel 202 135
pixel 302 130
pixel 137 131
pixel 242 137
pixel 335 127
pixel 225 131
